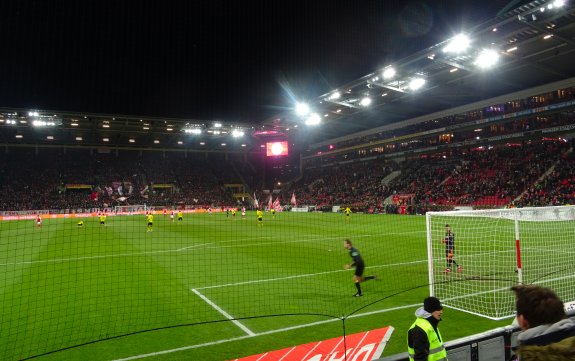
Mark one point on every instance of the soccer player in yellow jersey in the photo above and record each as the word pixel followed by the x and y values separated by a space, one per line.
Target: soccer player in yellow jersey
pixel 260 216
pixel 273 213
pixel 150 220
pixel 180 216
pixel 234 214
pixel 102 219
pixel 81 224
pixel 347 212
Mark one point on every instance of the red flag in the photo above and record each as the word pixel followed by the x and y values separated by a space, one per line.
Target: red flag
pixel 270 205
pixel 293 201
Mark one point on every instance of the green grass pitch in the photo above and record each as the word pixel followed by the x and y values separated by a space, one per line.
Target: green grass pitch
pixel 119 291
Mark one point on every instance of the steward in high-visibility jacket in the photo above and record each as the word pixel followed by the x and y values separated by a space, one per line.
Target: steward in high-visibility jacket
pixel 424 341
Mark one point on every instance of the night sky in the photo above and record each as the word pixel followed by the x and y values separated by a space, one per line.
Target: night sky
pixel 227 60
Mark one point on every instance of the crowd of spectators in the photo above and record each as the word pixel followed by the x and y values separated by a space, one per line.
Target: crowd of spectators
pixel 56 180
pixel 480 177
pixel 558 188
pixel 532 173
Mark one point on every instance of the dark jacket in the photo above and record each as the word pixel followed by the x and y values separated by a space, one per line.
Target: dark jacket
pixel 554 342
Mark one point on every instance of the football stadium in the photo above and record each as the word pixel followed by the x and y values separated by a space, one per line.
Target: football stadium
pixel 450 171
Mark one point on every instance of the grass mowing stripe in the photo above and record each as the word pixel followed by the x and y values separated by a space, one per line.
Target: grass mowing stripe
pixel 226 315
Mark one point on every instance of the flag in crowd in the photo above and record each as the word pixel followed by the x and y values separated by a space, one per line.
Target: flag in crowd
pixel 256 203
pixel 277 205
pixel 293 200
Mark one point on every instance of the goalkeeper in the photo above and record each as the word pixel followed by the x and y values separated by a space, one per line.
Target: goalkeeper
pixel 449 241
pixel 359 266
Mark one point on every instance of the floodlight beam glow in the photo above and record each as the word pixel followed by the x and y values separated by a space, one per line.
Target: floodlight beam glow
pixel 416 83
pixel 302 109
pixel 365 101
pixel 237 133
pixel 487 58
pixel 313 119
pixel 334 96
pixel 388 73
pixel 457 44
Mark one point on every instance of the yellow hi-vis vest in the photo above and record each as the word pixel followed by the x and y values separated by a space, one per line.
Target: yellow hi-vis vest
pixel 437 351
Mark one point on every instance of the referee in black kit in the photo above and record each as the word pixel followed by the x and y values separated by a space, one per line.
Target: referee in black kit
pixel 359 266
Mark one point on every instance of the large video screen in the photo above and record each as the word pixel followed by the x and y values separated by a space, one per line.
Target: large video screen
pixel 274 149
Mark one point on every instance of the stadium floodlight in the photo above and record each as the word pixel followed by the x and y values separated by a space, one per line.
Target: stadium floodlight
pixel 365 102
pixel 416 83
pixel 202 143
pixel 302 109
pixel 457 44
pixel 19 136
pixel 388 73
pixel 313 119
pixel 217 125
pixel 236 133
pixel 487 58
pixel 334 96
pixel 105 139
pixel 193 130
pixel 33 114
pixel 42 123
pixel 558 3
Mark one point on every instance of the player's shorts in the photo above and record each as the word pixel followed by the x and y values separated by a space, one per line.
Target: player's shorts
pixel 347 214
pixel 260 219
pixel 359 269
pixel 102 222
pixel 180 218
pixel 449 251
pixel 150 224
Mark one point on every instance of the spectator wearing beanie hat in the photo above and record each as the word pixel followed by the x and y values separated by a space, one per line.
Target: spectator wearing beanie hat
pixel 424 341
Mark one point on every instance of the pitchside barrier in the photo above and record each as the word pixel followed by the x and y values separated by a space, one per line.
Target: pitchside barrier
pixel 493 345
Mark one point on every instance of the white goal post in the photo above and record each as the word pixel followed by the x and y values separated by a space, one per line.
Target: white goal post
pixel 133 209
pixel 488 251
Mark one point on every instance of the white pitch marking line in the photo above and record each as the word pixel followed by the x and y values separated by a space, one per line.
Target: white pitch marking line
pixel 304 275
pixel 102 256
pixel 263 333
pixel 226 315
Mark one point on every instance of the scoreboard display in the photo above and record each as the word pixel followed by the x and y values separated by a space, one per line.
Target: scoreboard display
pixel 274 149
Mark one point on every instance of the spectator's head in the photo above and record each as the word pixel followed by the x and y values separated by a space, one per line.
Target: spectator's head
pixel 537 306
pixel 433 306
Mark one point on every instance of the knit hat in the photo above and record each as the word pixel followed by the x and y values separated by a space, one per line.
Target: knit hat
pixel 431 304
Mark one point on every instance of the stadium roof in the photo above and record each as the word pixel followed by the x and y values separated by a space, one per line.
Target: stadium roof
pixel 534 44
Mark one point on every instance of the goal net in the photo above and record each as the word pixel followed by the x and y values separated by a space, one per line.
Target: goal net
pixel 138 208
pixel 474 257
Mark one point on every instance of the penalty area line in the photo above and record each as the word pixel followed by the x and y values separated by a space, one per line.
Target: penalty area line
pixel 224 313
